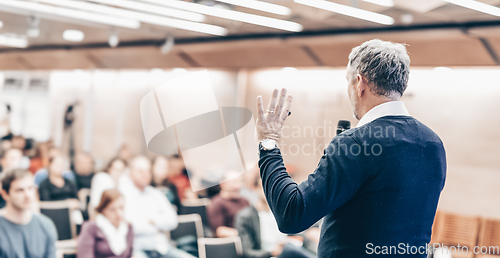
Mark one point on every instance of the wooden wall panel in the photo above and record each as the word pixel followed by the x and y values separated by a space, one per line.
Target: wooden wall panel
pixel 137 57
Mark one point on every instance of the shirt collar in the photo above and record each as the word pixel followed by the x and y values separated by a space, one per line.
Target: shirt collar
pixel 391 108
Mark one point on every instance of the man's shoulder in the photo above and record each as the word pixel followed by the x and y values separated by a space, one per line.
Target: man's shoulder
pixel 389 127
pixel 45 223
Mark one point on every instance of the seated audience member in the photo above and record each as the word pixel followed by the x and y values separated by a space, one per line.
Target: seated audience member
pixel 40 159
pixel 226 205
pixel 106 180
pixel 260 236
pixel 56 187
pixel 160 173
pixel 43 173
pixel 178 175
pixel 10 159
pixel 251 181
pixel 149 212
pixel 84 170
pixel 23 233
pixel 109 236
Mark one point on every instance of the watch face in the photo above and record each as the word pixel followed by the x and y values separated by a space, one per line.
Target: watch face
pixel 268 144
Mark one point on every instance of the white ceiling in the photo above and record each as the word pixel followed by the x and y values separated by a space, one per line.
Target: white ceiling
pixel 312 19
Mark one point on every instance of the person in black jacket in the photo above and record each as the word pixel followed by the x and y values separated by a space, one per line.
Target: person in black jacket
pixel 377 185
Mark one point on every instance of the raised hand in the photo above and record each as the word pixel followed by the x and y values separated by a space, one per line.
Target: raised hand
pixel 270 122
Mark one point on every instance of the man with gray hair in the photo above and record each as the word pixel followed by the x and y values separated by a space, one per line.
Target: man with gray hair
pixel 377 185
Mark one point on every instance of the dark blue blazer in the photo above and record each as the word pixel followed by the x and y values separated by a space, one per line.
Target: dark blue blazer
pixel 377 187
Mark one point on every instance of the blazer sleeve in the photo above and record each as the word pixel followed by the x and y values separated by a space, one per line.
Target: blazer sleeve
pixel 335 181
pixel 245 227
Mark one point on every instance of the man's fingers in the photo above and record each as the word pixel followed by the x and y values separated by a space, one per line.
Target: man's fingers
pixel 274 99
pixel 279 106
pixel 260 109
pixel 286 110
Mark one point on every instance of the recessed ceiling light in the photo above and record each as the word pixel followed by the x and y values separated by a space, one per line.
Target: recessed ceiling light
pixel 73 35
pixel 13 41
pixel 1 24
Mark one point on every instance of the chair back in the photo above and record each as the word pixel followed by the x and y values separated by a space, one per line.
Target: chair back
pixel 489 237
pixel 199 207
pixel 60 213
pixel 229 247
pixel 457 229
pixel 189 225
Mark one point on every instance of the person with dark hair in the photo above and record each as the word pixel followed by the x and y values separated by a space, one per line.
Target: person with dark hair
pixel 23 233
pixel 160 179
pixel 107 179
pixel 84 170
pixel 56 187
pixel 109 236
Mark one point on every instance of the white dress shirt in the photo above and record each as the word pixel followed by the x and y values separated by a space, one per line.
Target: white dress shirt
pixel 391 108
pixel 151 215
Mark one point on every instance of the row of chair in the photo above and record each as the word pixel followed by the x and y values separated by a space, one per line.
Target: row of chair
pixel 451 229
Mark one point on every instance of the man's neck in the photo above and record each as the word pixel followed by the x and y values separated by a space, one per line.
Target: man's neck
pixel 373 103
pixel 17 216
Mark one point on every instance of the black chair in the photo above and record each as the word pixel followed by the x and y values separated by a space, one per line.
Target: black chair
pixel 229 247
pixel 199 207
pixel 60 213
pixel 189 225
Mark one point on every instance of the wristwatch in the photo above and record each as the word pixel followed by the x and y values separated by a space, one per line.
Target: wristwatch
pixel 268 144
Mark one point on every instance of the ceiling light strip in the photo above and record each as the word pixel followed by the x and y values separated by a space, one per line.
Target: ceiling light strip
pixel 349 11
pixel 72 14
pixel 260 5
pixel 387 3
pixel 143 17
pixel 231 15
pixel 163 11
pixel 477 6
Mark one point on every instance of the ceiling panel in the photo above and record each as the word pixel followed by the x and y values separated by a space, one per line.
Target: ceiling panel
pixel 137 57
pixel 58 59
pixel 248 54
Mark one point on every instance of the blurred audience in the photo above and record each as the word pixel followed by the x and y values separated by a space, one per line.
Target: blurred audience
pixel 109 236
pixel 41 157
pixel 84 170
pixel 178 175
pixel 23 233
pixel 149 212
pixel 56 187
pixel 226 205
pixel 108 179
pixel 259 233
pixel 43 173
pixel 160 180
pixel 10 159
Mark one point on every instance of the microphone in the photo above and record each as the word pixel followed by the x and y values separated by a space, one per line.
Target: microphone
pixel 343 125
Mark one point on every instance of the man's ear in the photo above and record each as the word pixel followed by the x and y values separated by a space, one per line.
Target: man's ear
pixel 361 85
pixel 4 194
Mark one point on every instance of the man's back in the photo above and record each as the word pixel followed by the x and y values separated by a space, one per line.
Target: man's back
pixel 35 239
pixel 402 170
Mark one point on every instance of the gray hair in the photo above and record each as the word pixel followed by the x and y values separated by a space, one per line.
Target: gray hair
pixel 384 64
